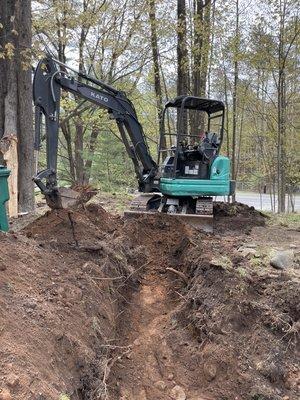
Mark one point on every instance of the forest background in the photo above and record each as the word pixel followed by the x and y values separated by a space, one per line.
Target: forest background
pixel 245 53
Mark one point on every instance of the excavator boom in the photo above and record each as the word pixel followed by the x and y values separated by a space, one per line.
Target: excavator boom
pixel 51 76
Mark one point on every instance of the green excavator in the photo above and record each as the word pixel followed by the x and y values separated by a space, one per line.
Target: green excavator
pixel 189 171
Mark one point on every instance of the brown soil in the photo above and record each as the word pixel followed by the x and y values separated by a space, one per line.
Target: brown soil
pixel 97 307
pixel 237 218
pixel 57 303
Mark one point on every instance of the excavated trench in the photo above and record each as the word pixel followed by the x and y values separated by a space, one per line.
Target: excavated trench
pixel 143 309
pixel 149 368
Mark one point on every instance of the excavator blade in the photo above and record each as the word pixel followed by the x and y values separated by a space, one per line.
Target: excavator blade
pixel 147 204
pixel 201 222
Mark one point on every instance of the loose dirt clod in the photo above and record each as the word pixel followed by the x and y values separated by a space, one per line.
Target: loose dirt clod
pixel 93 306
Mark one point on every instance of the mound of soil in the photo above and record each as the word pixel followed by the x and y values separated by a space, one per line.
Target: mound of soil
pixel 236 217
pixel 60 292
pixel 245 319
pixel 97 307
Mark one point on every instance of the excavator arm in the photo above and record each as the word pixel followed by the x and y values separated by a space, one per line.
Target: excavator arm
pixel 50 77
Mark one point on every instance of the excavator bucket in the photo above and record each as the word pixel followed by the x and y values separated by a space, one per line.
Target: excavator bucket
pixel 62 198
pixel 68 198
pixel 146 204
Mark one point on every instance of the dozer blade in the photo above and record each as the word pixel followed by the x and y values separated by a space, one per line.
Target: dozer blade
pixel 201 222
pixel 150 204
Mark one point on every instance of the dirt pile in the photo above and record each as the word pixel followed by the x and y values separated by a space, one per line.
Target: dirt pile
pixel 245 318
pixel 237 217
pixel 97 307
pixel 60 291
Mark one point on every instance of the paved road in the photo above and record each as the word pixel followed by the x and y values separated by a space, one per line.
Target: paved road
pixel 261 202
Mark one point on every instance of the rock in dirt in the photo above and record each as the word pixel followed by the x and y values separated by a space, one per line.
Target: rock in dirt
pixel 177 393
pixel 3 267
pixel 282 259
pixel 142 395
pixel 247 251
pixel 270 370
pixel 161 385
pixel 12 380
pixel 210 371
pixel 293 246
pixel 5 394
pixel 251 245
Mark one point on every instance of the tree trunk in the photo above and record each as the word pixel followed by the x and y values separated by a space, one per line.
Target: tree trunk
pixel 89 162
pixel 182 56
pixel 157 80
pixel 200 53
pixel 211 50
pixel 65 127
pixel 281 164
pixel 62 33
pixel 234 96
pixel 281 110
pixel 15 99
pixel 25 123
pixel 79 163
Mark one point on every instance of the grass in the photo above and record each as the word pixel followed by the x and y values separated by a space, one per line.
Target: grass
pixel 64 397
pixel 242 272
pixel 222 262
pixel 291 220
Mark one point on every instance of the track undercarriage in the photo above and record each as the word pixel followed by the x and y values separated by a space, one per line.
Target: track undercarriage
pixel 197 212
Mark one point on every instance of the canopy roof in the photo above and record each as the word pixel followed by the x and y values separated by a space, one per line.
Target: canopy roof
pixel 197 103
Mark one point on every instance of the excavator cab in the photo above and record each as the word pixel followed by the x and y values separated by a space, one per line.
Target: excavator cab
pixel 190 143
pixel 191 169
pixel 189 158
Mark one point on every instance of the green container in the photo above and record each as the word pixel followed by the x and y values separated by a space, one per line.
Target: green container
pixel 4 196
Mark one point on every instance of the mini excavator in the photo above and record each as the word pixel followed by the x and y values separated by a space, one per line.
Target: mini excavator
pixel 189 170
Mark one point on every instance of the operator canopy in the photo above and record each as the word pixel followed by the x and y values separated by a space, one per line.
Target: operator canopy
pixel 197 103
